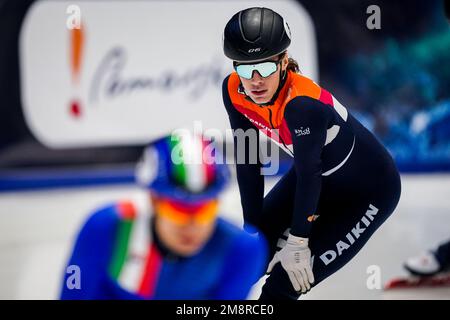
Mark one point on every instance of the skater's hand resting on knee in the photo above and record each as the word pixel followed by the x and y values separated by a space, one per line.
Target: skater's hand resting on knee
pixel 295 258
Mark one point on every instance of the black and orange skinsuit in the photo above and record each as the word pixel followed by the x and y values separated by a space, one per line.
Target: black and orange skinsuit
pixel 341 188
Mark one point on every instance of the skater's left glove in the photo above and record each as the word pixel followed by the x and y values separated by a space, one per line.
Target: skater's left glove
pixel 295 258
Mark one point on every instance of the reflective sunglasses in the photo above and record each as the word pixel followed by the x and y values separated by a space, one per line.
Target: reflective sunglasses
pixel 265 69
pixel 183 213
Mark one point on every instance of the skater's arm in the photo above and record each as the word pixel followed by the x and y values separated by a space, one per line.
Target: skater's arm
pixel 87 268
pixel 250 180
pixel 307 120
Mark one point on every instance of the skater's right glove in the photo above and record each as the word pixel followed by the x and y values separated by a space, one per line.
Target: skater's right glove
pixel 295 258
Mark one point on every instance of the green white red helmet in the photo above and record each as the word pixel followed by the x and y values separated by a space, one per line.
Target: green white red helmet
pixel 184 168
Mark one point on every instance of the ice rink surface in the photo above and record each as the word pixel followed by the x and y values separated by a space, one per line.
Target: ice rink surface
pixel 37 229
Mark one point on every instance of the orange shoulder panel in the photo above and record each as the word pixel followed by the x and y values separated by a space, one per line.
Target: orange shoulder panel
pixel 296 85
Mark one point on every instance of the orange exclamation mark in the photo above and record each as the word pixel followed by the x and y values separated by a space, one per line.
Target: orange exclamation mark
pixel 76 52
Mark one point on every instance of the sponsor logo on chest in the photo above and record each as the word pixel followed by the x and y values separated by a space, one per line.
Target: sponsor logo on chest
pixel 258 124
pixel 302 131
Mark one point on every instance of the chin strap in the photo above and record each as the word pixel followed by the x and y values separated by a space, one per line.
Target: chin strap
pixel 275 96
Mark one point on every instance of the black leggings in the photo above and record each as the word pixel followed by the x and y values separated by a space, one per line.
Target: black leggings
pixel 354 203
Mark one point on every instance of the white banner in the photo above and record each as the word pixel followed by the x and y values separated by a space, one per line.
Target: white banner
pixel 133 70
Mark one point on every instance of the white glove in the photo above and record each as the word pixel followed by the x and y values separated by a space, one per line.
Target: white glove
pixel 295 258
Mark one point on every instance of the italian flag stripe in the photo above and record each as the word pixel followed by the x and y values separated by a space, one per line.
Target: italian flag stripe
pixel 121 248
pixel 127 213
pixel 209 167
pixel 195 173
pixel 178 166
pixel 127 210
pixel 152 270
pixel 138 243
